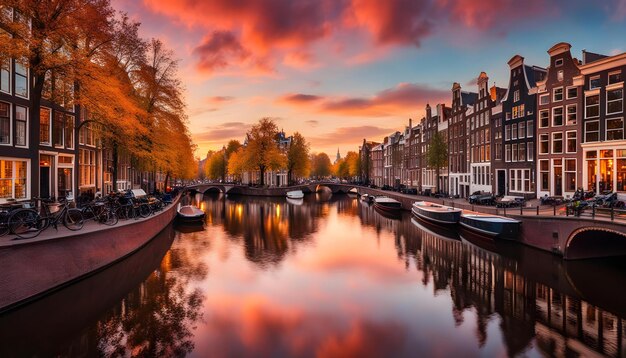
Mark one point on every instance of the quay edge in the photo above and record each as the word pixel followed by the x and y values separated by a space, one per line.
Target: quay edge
pixel 30 269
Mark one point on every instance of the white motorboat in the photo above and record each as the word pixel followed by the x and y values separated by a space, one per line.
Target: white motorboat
pixel 190 213
pixel 295 194
pixel 439 214
pixel 387 204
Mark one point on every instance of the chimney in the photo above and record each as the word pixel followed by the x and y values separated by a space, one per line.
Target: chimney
pixel 428 111
pixel 410 123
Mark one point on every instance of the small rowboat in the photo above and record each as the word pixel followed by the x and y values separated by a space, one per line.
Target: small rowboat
pixel 295 194
pixel 491 225
pixel 190 213
pixel 436 213
pixel 366 198
pixel 387 204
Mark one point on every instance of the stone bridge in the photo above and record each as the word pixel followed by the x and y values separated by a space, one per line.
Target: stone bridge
pixel 572 238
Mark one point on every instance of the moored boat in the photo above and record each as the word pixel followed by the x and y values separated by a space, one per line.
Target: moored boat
pixel 387 204
pixel 190 213
pixel 295 194
pixel 439 214
pixel 491 225
pixel 366 198
pixel 353 191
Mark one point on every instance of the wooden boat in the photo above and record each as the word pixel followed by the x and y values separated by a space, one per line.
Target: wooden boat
pixel 440 214
pixel 295 194
pixel 491 225
pixel 353 191
pixel 387 204
pixel 190 213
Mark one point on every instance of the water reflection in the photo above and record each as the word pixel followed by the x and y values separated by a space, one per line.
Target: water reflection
pixel 330 276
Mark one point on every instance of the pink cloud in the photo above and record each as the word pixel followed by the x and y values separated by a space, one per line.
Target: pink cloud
pixel 403 99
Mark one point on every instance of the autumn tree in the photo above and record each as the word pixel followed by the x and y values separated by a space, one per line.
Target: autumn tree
pixel 237 163
pixel 437 154
pixel 352 162
pixel 262 149
pixel 217 165
pixel 298 163
pixel 320 165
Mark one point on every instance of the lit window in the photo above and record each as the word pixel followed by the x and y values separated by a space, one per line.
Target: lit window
pixel 44 126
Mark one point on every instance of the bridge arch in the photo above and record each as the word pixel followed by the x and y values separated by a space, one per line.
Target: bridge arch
pixel 213 189
pixel 593 242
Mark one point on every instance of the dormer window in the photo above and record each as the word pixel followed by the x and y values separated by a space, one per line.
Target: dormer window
pixel 615 77
pixel 516 96
pixel 558 62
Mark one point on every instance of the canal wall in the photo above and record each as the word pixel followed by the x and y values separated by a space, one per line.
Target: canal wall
pixel 32 268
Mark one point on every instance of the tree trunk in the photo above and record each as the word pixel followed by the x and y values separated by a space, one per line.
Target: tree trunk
pixel 262 175
pixel 167 178
pixel 437 179
pixel 33 134
pixel 289 180
pixel 115 160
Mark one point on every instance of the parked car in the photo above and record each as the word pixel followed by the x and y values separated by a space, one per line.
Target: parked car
pixel 482 198
pixel 386 187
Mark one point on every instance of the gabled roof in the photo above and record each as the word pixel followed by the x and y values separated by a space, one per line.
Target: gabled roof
pixel 534 74
pixel 589 57
pixel 468 98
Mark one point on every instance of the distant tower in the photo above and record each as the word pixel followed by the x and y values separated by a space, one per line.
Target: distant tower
pixel 338 156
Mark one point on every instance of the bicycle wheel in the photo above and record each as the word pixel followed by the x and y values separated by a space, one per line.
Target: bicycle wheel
pixel 144 210
pixel 25 223
pixel 73 219
pixel 110 218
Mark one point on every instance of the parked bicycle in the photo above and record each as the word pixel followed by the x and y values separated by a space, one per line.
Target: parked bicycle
pixel 28 223
pixel 101 211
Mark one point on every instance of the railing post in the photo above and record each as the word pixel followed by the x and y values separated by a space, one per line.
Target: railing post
pixel 612 213
pixel 567 210
pixel 472 207
pixel 505 211
pixel 537 210
pixel 593 211
pixel 554 209
pixel 521 209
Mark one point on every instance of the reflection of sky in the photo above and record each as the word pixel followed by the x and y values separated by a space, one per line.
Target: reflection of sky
pixel 348 293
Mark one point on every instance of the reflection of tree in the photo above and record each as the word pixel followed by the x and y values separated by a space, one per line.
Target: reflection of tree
pixel 155 319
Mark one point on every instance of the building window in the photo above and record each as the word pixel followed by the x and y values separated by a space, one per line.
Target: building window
pixel 558 62
pixel 514 131
pixel 69 131
pixel 592 131
pixel 507 132
pixel 498 151
pixel 5 76
pixel 571 142
pixel 13 177
pixel 594 82
pixel 514 152
pixel 508 116
pixel 5 123
pixel 530 150
pixel 615 77
pixel 544 99
pixel 592 106
pixel 559 76
pixel 507 153
pixel 557 116
pixel 544 118
pixel 544 174
pixel 571 114
pixel 614 101
pixel 570 175
pixel 544 144
pixel 516 96
pixel 21 81
pixel 615 129
pixel 522 130
pixel 522 152
pixel 21 126
pixel 530 129
pixel 57 129
pixel 44 126
pixel 572 92
pixel 87 161
pixel 557 94
pixel 557 143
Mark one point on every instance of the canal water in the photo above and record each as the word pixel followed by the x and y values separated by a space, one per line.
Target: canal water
pixel 327 276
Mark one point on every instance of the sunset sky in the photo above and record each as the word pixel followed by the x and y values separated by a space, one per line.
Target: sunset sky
pixel 339 71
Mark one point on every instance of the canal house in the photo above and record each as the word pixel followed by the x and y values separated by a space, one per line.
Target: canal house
pixel 558 110
pixel 603 145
